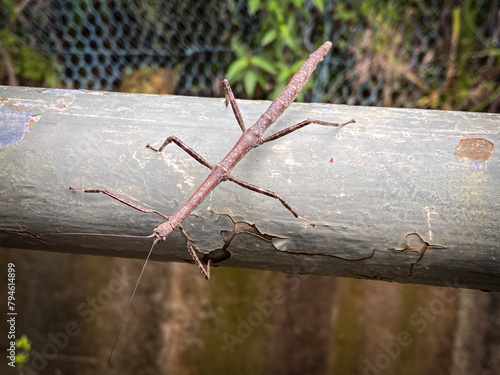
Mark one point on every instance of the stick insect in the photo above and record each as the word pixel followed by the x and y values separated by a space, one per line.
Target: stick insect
pixel 249 139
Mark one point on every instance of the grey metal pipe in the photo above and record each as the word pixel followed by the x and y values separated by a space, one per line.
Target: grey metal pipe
pixel 426 182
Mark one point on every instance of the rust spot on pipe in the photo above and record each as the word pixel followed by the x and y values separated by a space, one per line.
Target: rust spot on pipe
pixel 474 149
pixel 478 150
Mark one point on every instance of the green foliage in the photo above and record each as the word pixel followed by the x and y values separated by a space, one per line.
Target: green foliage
pixel 20 61
pixel 469 84
pixel 9 6
pixel 23 346
pixel 462 76
pixel 278 42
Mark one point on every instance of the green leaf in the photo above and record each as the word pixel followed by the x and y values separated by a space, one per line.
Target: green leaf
pixel 486 52
pixel 287 33
pixel 319 4
pixel 250 82
pixel 253 6
pixel 345 15
pixel 23 343
pixel 268 37
pixel 263 64
pixel 9 5
pixel 236 69
pixel 279 11
pixel 22 358
pixel 239 49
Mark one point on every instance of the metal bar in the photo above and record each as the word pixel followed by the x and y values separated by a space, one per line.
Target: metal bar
pixel 366 186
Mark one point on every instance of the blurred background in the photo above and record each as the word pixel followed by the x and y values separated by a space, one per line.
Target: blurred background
pixel 425 54
pixel 412 54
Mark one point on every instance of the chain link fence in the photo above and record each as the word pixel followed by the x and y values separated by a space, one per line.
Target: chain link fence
pixel 430 54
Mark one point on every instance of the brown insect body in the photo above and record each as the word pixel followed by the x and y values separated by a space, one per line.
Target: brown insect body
pixel 250 138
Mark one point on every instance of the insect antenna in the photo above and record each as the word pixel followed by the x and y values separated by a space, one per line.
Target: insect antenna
pixel 108 365
pixel 98 234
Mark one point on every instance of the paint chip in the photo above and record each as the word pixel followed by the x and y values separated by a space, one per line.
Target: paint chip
pixel 413 242
pixel 474 149
pixel 477 150
pixel 14 123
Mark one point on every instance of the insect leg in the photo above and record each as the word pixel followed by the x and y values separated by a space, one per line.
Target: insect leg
pixel 183 146
pixel 192 252
pixel 269 193
pixel 231 99
pixel 300 125
pixel 120 199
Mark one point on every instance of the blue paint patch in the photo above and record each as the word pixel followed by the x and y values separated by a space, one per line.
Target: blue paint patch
pixel 14 124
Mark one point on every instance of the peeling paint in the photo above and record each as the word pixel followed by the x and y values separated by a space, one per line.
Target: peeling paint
pixel 68 92
pixel 16 117
pixel 227 236
pixel 478 150
pixel 282 243
pixel 413 242
pixel 14 123
pixel 279 243
pixel 243 227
